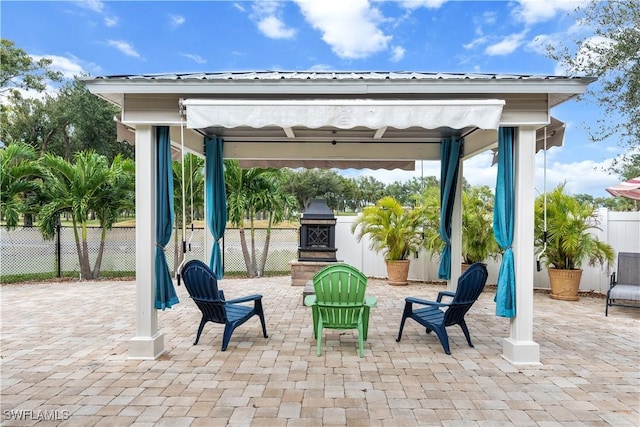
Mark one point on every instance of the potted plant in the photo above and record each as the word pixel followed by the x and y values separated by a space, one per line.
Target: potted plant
pixel 566 243
pixel 478 242
pixel 393 230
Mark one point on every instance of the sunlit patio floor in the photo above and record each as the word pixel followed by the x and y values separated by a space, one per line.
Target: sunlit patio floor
pixel 64 356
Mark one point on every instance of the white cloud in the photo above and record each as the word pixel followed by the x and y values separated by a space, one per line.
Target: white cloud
pixel 124 47
pixel 69 67
pixel 274 28
pixel 94 5
pixel 475 43
pixel 429 4
pixel 176 20
pixel 397 53
pixel 506 46
pixel 582 177
pixel 540 43
pixel 110 21
pixel 321 67
pixel 489 18
pixel 349 27
pixel 267 15
pixel 196 58
pixel 534 11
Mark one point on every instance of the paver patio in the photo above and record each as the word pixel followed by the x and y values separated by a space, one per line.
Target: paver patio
pixel 64 356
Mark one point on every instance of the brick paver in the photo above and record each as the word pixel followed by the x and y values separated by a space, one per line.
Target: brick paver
pixel 64 362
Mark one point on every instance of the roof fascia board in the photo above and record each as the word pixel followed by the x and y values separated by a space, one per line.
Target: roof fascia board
pixel 240 87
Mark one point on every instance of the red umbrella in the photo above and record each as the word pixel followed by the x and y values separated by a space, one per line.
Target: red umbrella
pixel 629 189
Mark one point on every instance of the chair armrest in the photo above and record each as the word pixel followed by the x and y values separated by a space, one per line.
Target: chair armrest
pixel 445 294
pixel 248 298
pixel 370 301
pixel 415 300
pixel 612 282
pixel 310 300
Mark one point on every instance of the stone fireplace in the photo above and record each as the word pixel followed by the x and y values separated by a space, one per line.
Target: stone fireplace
pixel 317 233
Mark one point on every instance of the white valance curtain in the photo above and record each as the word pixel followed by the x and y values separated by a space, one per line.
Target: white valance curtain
pixel 343 114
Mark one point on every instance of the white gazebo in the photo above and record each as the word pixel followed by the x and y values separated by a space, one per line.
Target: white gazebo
pixel 340 119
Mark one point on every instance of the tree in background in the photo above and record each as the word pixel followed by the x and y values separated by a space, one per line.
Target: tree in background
pixel 20 72
pixel 79 188
pixel 19 172
pixel 64 123
pixel 116 195
pixel 277 204
pixel 243 188
pixel 611 54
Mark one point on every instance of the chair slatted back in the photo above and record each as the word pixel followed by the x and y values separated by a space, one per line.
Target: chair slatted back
pixel 628 271
pixel 470 286
pixel 202 285
pixel 340 291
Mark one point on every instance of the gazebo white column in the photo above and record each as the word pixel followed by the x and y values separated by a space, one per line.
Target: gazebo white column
pixel 148 343
pixel 519 348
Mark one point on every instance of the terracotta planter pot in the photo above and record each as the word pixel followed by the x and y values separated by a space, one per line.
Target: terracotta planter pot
pixel 397 272
pixel 564 284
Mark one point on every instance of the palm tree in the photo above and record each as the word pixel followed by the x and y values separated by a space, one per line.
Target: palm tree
pixel 392 229
pixel 478 241
pixel 76 188
pixel 243 188
pixel 276 203
pixel 18 170
pixel 116 196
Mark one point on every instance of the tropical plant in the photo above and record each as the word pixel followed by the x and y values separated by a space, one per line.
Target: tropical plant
pixel 18 170
pixel 478 241
pixel 243 188
pixel 80 188
pixel 567 243
pixel 115 196
pixel 277 204
pixel 392 229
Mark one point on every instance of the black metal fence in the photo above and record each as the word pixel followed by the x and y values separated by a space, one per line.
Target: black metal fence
pixel 25 255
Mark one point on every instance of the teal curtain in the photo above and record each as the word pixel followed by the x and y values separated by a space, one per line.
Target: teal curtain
pixel 165 292
pixel 450 150
pixel 216 199
pixel 503 222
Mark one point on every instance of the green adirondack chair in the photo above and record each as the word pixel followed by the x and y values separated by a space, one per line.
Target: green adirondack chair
pixel 340 302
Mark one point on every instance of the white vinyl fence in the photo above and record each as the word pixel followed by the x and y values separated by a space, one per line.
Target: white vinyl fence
pixel 620 229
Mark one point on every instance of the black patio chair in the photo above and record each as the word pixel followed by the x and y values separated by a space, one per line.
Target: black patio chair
pixel 202 285
pixel 436 316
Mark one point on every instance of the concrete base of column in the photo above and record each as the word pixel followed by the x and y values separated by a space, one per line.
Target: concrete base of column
pixel 146 347
pixel 521 352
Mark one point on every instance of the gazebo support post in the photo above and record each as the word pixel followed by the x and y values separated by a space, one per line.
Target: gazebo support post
pixel 519 348
pixel 148 343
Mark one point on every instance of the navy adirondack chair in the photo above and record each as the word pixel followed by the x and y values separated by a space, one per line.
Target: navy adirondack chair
pixel 202 285
pixel 437 315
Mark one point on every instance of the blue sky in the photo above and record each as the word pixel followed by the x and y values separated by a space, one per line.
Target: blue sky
pixel 134 37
